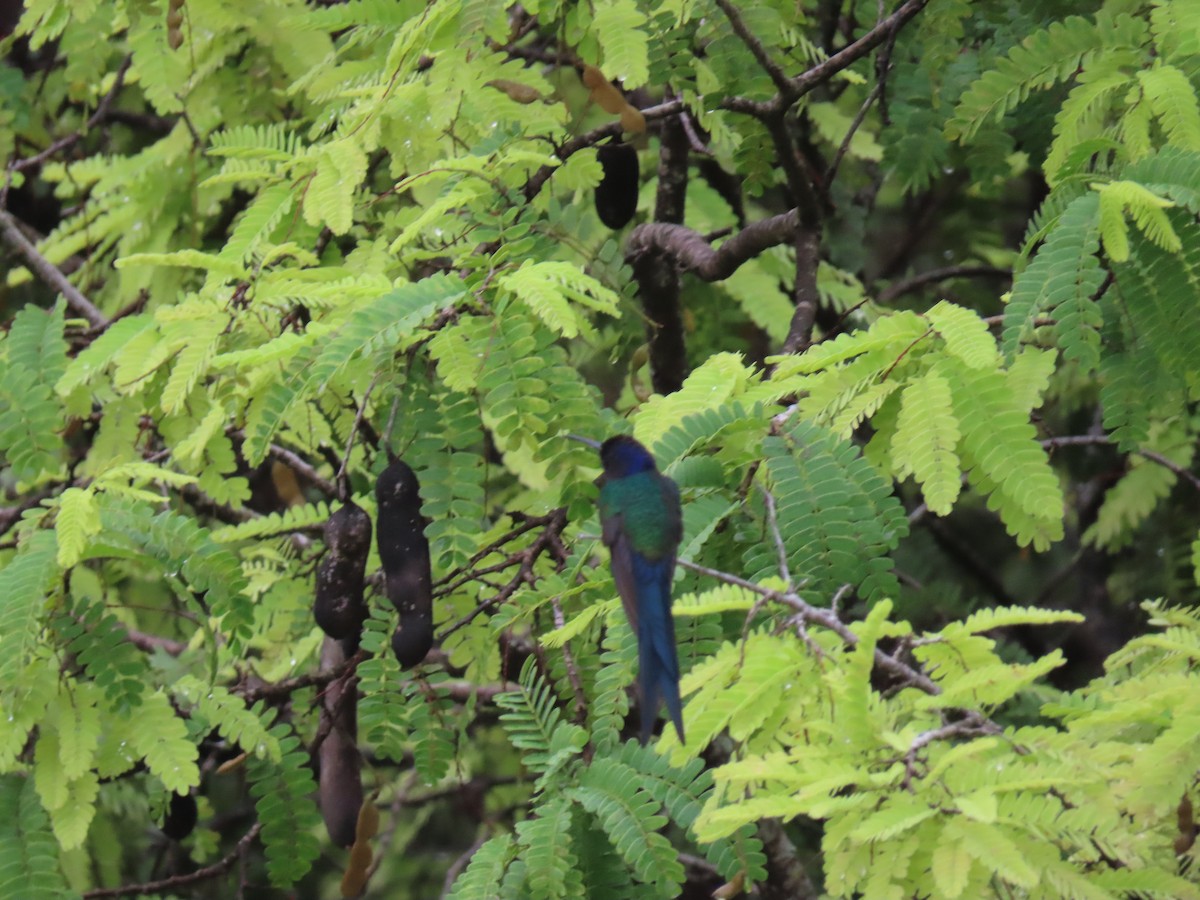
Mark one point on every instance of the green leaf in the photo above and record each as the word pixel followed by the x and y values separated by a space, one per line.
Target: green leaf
pixel 951 865
pixel 925 440
pixel 966 335
pixel 619 27
pixel 29 854
pixel 24 584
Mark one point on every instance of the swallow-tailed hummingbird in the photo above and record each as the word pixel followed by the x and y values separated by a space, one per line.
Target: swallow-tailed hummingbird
pixel 642 524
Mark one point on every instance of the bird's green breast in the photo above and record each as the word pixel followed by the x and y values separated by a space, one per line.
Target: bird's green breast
pixel 648 509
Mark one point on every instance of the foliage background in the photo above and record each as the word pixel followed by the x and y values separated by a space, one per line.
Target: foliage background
pixel 908 311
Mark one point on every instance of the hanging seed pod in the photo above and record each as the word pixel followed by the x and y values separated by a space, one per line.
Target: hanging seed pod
pixel 338 605
pixel 339 789
pixel 180 818
pixel 604 94
pixel 404 552
pixel 617 193
pixel 175 24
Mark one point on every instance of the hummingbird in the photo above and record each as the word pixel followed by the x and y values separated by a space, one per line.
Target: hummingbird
pixel 642 524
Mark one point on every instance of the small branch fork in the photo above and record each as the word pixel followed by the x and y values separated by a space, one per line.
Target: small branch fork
pixel 971 724
pixel 549 541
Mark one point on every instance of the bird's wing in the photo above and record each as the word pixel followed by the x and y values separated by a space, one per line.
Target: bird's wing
pixel 670 494
pixel 622 569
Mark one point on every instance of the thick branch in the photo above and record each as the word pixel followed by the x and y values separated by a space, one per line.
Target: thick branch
pixel 805 294
pixel 50 274
pixel 656 275
pixel 692 253
pixel 786 876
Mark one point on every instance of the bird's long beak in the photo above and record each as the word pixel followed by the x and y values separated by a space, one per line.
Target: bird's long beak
pixel 594 444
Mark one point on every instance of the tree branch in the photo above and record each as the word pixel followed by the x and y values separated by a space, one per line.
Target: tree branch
pixel 823 71
pixel 692 253
pixel 755 46
pixel 168 885
pixel 1081 440
pixel 915 282
pixel 49 274
pixel 72 139
pixel 656 275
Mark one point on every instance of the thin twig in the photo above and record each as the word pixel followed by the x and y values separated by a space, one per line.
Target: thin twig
pixel 303 468
pixel 773 526
pixel 823 71
pixel 70 140
pixel 460 863
pixel 844 147
pixel 755 46
pixel 169 885
pixel 908 285
pixel 343 488
pixel 827 619
pixel 1105 440
pixel 569 662
pixel 548 541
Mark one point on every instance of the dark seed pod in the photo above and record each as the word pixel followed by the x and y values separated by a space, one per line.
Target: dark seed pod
pixel 411 644
pixel 339 789
pixel 180 818
pixel 338 606
pixel 617 193
pixel 404 552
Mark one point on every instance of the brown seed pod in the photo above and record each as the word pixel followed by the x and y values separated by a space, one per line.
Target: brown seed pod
pixel 355 877
pixel 522 93
pixel 604 94
pixel 632 120
pixel 232 765
pixel 339 789
pixel 617 193
pixel 404 552
pixel 338 605
pixel 368 823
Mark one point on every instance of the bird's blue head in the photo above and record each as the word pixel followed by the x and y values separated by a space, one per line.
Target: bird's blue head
pixel 622 455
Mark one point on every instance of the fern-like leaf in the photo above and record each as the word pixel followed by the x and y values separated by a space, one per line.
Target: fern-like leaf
pixel 838 517
pixel 925 441
pixel 619 27
pixel 283 793
pixel 482 878
pixel 1040 61
pixel 391 321
pixel 1062 282
pixel 611 792
pixel 29 854
pixel 545 840
pixel 24 583
pixel 966 335
pixel 999 439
